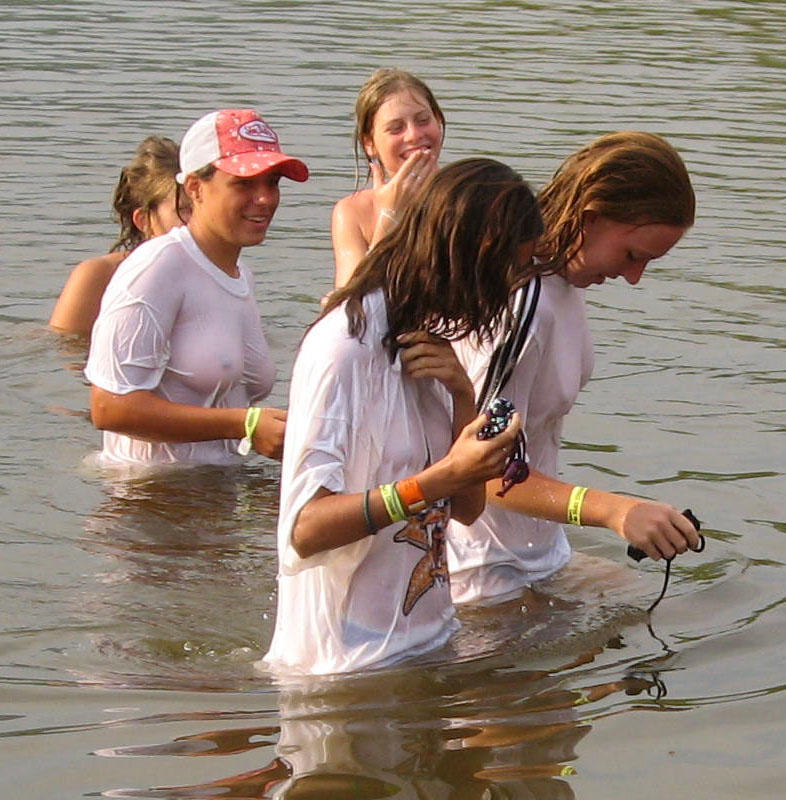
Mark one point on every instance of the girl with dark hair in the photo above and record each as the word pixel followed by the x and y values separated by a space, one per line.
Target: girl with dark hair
pixel 145 204
pixel 611 208
pixel 382 446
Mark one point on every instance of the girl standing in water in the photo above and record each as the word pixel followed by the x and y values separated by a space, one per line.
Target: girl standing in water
pixel 611 208
pixel 178 359
pixel 145 205
pixel 382 447
pixel 399 128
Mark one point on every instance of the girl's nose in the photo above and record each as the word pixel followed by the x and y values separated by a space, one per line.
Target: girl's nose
pixel 633 274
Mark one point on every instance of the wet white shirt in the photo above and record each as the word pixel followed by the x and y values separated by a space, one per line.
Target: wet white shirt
pixel 355 422
pixel 503 551
pixel 173 323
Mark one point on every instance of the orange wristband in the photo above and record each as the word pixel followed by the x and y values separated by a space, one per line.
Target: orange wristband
pixel 411 495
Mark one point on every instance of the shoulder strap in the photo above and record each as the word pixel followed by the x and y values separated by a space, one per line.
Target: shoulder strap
pixel 506 354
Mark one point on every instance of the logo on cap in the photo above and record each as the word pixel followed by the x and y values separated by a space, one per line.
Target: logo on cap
pixel 257 131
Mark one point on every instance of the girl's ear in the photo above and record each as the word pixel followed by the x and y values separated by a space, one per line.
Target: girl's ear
pixel 369 149
pixel 193 187
pixel 139 216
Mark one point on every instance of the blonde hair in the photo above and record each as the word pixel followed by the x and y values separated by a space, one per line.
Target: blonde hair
pixel 627 176
pixel 382 84
pixel 145 182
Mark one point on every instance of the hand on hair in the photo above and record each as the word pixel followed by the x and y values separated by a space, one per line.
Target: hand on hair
pixel 424 355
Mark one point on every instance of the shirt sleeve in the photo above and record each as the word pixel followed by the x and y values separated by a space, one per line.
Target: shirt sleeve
pixel 332 440
pixel 130 342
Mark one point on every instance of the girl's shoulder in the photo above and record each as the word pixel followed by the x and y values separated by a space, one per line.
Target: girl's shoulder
pixel 353 206
pixel 329 340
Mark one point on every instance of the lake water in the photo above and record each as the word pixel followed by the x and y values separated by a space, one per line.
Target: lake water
pixel 131 612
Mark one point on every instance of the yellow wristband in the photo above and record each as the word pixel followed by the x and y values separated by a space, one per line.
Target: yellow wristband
pixel 252 420
pixel 393 504
pixel 575 503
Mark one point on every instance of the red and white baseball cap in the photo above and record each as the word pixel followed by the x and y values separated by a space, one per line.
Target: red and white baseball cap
pixel 237 141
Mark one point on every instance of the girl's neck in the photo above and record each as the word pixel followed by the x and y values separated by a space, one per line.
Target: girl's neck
pixel 223 254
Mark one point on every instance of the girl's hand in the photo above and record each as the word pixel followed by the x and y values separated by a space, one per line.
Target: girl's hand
pixel 424 355
pixel 658 529
pixel 268 437
pixel 479 460
pixel 395 194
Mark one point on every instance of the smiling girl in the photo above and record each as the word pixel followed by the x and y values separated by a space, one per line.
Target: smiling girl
pixel 399 128
pixel 178 358
pixel 611 208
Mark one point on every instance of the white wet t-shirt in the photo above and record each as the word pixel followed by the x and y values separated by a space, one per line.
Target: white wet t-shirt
pixel 173 323
pixel 355 421
pixel 503 551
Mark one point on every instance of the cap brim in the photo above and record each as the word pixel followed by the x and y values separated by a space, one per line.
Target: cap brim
pixel 247 165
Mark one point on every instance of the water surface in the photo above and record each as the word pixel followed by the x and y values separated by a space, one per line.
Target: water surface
pixel 132 610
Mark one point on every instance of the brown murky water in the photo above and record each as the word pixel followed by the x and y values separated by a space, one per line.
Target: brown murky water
pixel 131 611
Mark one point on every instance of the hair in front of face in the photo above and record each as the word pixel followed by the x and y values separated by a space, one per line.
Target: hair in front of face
pixel 628 176
pixel 451 263
pixel 145 182
pixel 379 87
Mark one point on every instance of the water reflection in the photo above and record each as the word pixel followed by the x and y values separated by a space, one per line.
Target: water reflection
pixel 493 732
pixel 188 575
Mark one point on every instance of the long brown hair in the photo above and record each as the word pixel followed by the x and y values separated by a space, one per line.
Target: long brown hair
pixel 627 176
pixel 147 180
pixel 450 265
pixel 381 85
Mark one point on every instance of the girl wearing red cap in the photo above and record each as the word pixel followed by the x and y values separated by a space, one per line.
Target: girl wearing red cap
pixel 400 128
pixel 178 360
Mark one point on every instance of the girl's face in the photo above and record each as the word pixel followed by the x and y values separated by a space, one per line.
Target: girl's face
pixel 403 124
pixel 614 249
pixel 232 211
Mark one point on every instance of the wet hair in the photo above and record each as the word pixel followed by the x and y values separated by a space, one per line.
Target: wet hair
pixel 145 182
pixel 453 260
pixel 627 176
pixel 382 84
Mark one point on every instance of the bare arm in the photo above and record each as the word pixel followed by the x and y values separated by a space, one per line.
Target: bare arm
pixel 349 242
pixel 660 530
pixel 77 307
pixel 147 416
pixel 331 520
